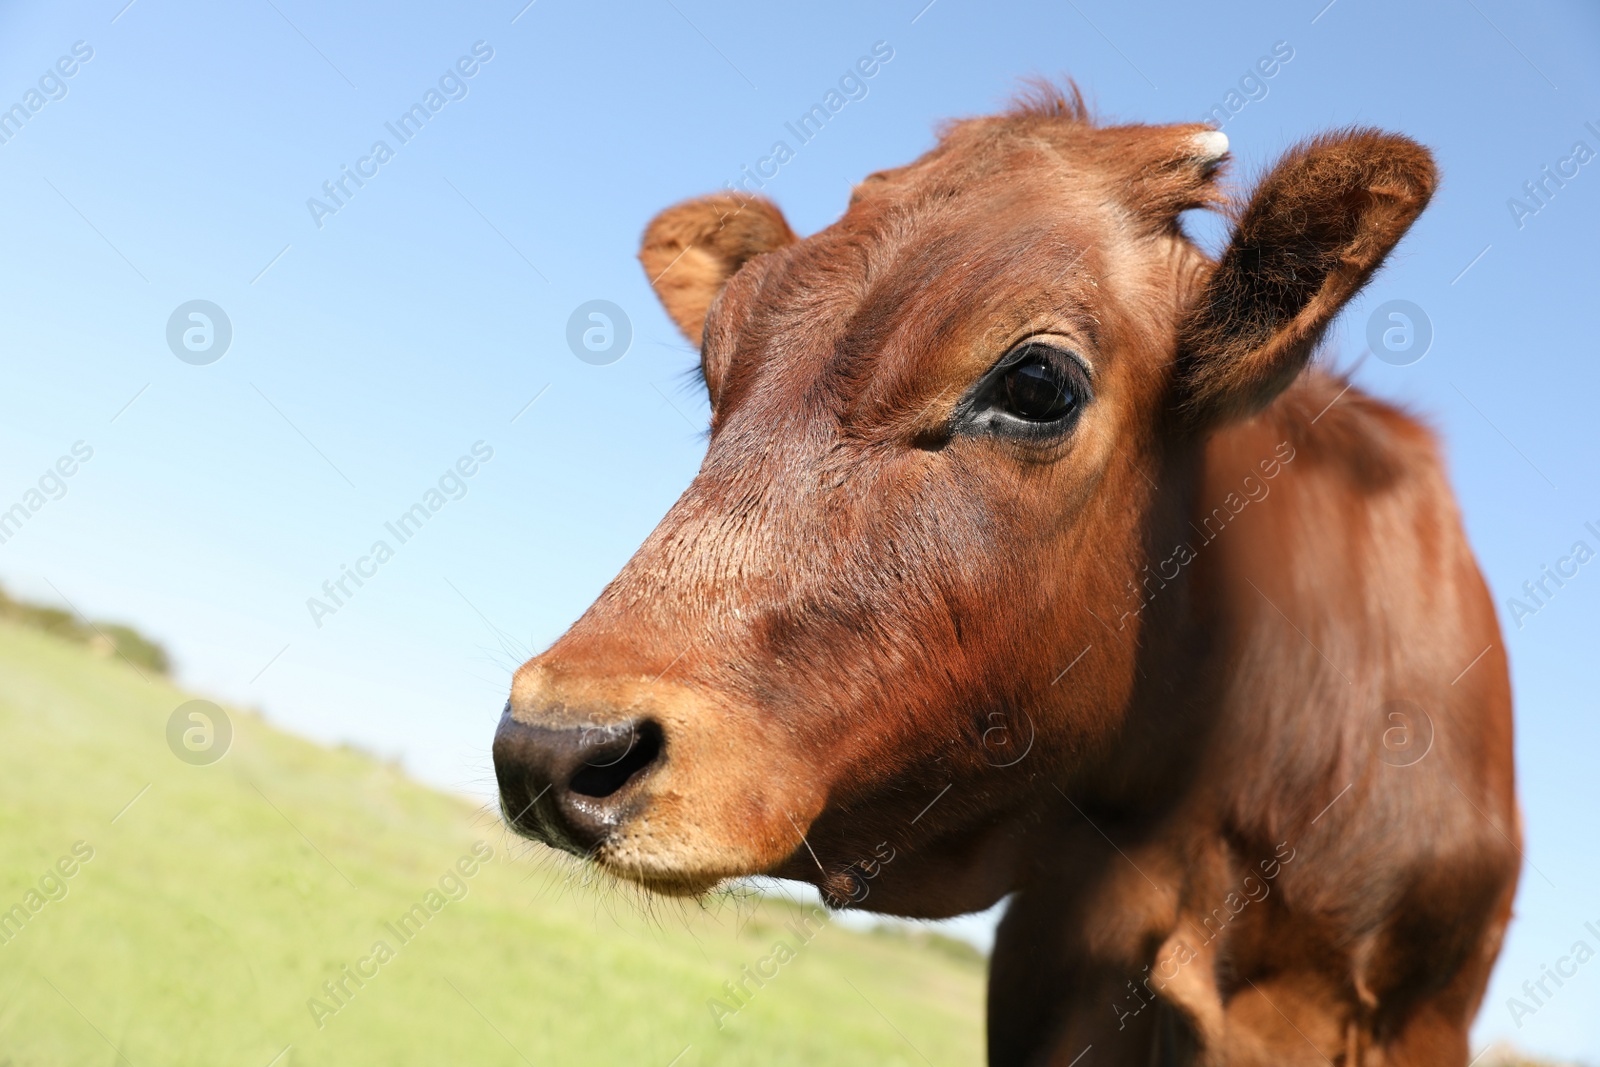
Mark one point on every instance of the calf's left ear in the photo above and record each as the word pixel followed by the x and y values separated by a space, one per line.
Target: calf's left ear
pixel 691 250
pixel 1316 228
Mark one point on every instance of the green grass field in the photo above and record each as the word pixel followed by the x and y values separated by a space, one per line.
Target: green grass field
pixel 212 909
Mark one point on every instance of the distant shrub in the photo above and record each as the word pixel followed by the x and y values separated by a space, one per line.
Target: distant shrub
pixel 102 638
pixel 951 947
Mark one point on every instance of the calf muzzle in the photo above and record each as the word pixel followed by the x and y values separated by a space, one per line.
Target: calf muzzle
pixel 571 786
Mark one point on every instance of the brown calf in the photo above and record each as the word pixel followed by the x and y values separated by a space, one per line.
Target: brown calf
pixel 1027 546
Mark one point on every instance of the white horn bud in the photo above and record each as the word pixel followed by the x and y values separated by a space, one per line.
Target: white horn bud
pixel 1210 146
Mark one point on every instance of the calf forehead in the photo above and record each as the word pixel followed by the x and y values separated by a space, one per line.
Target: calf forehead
pixel 910 277
pixel 987 212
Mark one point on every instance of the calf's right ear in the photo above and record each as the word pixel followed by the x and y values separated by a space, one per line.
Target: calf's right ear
pixel 691 250
pixel 1314 231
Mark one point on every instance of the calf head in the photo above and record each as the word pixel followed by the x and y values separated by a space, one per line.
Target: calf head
pixel 899 600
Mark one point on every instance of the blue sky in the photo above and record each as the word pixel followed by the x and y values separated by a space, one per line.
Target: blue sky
pixel 373 351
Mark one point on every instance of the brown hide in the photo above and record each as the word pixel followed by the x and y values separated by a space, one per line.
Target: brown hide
pixel 1028 557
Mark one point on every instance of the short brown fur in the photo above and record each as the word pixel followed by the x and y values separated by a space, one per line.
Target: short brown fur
pixel 1121 673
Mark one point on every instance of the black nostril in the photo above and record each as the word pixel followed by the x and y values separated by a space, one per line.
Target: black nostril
pixel 613 762
pixel 561 784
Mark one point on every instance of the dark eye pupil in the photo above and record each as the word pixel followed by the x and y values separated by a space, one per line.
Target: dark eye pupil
pixel 1036 391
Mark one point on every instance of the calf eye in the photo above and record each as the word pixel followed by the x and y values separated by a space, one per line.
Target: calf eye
pixel 1038 391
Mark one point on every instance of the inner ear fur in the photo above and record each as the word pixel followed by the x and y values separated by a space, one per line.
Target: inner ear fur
pixel 1317 227
pixel 690 250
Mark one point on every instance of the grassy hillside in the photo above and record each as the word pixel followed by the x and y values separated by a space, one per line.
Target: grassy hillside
pixel 199 921
pixel 102 638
